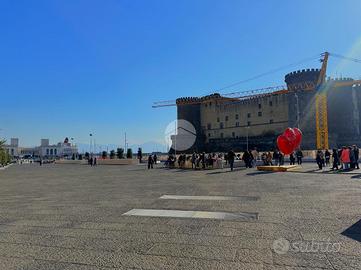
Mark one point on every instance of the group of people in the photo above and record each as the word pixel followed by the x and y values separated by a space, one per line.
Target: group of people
pixel 345 158
pixel 92 161
pixel 152 159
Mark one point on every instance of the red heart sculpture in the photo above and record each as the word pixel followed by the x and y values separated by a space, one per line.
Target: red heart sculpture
pixel 285 145
pixel 298 134
pixel 289 133
pixel 289 141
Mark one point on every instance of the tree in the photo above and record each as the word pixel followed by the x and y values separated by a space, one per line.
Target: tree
pixel 104 154
pixel 120 153
pixel 129 153
pixel 4 156
pixel 112 154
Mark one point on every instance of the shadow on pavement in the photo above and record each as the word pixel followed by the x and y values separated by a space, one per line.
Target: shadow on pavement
pixel 259 173
pixel 227 170
pixel 353 232
pixel 357 176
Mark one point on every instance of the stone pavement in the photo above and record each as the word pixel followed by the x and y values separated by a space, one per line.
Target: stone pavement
pixel 71 217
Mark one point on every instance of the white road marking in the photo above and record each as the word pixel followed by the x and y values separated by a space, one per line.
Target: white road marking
pixel 191 214
pixel 210 198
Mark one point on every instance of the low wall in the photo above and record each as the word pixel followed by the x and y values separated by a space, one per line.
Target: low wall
pixel 117 161
pixel 99 161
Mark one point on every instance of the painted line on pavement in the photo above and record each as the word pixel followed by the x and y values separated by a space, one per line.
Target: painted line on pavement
pixel 192 214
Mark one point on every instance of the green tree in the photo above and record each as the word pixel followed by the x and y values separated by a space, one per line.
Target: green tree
pixel 120 153
pixel 104 154
pixel 4 156
pixel 129 153
pixel 112 154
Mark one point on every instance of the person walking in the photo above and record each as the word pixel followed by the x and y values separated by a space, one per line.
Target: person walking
pixel 193 160
pixel 345 158
pixel 336 159
pixel 299 156
pixel 352 157
pixel 319 159
pixel 356 153
pixel 246 159
pixel 327 157
pixel 231 156
pixel 254 157
pixel 276 154
pixel 91 161
pixel 95 161
pixel 292 158
pixel 269 159
pixel 150 162
pixel 155 159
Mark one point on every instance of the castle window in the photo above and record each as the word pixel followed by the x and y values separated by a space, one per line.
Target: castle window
pixel 237 116
pixel 259 113
pixel 209 126
pixel 248 123
pixel 259 105
pixel 249 115
pixel 271 121
pixel 209 134
pixel 217 119
pixel 237 124
pixel 226 118
pixel 221 125
pixel 270 103
pixel 233 134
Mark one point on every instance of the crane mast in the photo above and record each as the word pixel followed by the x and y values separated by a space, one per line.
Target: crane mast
pixel 321 107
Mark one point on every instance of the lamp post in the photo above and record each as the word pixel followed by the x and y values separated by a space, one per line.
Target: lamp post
pixel 90 144
pixel 247 127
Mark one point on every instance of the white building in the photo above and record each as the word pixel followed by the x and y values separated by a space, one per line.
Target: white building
pixel 45 150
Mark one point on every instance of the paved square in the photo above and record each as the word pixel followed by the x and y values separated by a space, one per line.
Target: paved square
pixel 71 217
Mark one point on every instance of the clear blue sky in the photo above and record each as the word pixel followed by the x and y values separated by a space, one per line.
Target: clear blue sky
pixel 71 67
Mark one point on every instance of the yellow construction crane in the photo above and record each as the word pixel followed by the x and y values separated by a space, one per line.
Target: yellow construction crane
pixel 321 100
pixel 321 107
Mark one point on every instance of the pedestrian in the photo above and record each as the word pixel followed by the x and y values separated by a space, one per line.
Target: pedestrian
pixel 345 158
pixel 150 162
pixel 246 158
pixel 193 160
pixel 40 162
pixel 95 161
pixel 231 156
pixel 281 159
pixel 292 158
pixel 91 161
pixel 203 160
pixel 155 159
pixel 319 159
pixel 299 156
pixel 352 158
pixel 269 159
pixel 327 157
pixel 275 156
pixel 356 153
pixel 336 159
pixel 254 157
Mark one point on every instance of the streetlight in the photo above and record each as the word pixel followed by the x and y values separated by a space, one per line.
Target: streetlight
pixel 247 127
pixel 90 144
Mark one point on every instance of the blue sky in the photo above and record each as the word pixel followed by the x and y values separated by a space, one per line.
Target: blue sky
pixel 71 67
